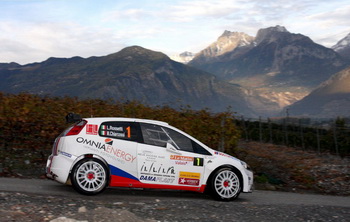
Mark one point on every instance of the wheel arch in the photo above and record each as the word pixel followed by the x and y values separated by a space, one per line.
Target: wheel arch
pixel 237 171
pixel 90 155
pixel 80 185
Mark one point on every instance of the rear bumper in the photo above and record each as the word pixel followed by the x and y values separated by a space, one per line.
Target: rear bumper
pixel 58 168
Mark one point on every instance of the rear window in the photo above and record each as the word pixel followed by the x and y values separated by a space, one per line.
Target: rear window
pixel 120 130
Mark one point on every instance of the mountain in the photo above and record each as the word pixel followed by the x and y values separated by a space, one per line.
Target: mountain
pixel 280 66
pixel 330 99
pixel 9 65
pixel 184 57
pixel 134 73
pixel 227 42
pixel 343 47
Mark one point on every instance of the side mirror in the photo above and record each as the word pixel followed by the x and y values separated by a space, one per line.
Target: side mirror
pixel 172 149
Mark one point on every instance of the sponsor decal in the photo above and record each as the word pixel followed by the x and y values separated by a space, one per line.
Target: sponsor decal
pixel 224 154
pixel 157 169
pixel 91 129
pixel 191 175
pixel 66 154
pixel 108 149
pixel 150 156
pixel 187 160
pixel 181 163
pixel 151 171
pixel 189 178
pixel 157 179
pixel 109 141
pixel 148 178
pixel 188 181
pixel 182 158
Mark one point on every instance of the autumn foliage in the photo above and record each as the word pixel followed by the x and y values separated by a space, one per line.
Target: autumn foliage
pixel 33 122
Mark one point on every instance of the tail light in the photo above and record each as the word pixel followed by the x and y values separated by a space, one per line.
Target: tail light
pixel 55 145
pixel 75 129
pixel 71 131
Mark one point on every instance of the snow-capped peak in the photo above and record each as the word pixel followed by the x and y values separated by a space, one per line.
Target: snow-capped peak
pixel 184 57
pixel 228 41
pixel 342 44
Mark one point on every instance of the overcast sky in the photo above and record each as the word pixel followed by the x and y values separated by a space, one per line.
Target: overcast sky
pixel 34 30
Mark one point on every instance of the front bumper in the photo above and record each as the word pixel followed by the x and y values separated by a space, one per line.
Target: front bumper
pixel 250 177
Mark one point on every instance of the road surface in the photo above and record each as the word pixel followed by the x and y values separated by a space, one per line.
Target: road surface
pixel 158 205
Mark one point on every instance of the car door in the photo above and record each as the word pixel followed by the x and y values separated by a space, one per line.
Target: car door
pixel 166 157
pixel 120 150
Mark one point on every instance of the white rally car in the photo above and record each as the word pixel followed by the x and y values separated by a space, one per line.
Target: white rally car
pixel 123 152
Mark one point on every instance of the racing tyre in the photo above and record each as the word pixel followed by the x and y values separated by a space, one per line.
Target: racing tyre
pixel 90 176
pixel 225 184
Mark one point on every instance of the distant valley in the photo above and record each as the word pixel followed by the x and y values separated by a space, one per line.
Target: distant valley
pixel 331 99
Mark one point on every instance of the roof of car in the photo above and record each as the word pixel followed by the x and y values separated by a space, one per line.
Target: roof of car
pixel 124 119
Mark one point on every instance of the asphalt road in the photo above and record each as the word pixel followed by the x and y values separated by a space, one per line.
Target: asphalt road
pixel 167 205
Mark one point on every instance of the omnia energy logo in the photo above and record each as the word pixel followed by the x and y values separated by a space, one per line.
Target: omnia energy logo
pixel 108 148
pixel 109 141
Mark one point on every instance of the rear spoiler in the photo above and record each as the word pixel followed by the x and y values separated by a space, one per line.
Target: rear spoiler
pixel 73 117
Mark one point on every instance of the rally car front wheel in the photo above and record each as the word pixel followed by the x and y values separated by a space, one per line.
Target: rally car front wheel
pixel 225 184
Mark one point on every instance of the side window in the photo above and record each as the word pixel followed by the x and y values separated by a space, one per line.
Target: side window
pixel 153 135
pixel 199 149
pixel 160 135
pixel 120 130
pixel 181 141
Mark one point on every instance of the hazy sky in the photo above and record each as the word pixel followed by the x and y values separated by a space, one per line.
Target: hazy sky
pixel 34 30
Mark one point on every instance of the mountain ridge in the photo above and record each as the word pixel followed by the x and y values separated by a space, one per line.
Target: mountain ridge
pixel 134 73
pixel 343 47
pixel 281 66
pixel 330 99
pixel 258 75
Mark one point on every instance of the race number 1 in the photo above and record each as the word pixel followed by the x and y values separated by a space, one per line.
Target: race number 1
pixel 198 161
pixel 128 131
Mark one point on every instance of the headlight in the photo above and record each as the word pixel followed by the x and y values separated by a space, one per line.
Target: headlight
pixel 245 165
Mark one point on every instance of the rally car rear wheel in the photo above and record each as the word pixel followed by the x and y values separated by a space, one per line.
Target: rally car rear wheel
pixel 89 176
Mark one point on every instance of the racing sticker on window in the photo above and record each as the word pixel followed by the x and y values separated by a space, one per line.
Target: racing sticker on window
pixel 116 131
pixel 91 129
